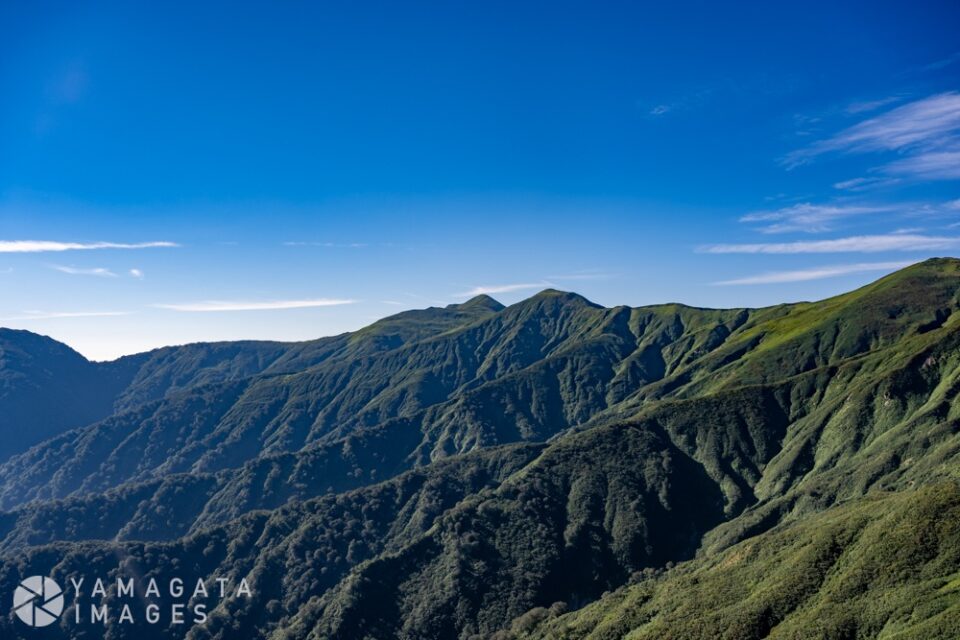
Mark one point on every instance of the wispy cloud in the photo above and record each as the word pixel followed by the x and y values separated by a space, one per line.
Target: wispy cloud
pixel 95 271
pixel 583 275
pixel 943 62
pixel 39 246
pixel 503 288
pixel 922 125
pixel 239 305
pixel 807 217
pixel 337 245
pixel 855 244
pixel 871 105
pixel 864 184
pixel 136 273
pixel 909 230
pixel 660 110
pixel 932 165
pixel 815 273
pixel 51 315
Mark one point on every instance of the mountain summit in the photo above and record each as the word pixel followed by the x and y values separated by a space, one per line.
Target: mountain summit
pixel 481 301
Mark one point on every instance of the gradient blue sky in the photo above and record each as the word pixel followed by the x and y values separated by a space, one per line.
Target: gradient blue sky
pixel 321 165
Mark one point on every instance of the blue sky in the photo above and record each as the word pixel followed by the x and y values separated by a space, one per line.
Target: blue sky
pixel 176 172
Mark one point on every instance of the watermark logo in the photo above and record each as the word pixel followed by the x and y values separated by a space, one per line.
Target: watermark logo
pixel 38 601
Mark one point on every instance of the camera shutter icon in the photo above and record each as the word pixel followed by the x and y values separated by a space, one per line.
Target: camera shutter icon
pixel 38 601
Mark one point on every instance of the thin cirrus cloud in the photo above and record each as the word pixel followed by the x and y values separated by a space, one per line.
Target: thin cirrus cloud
pixel 922 126
pixel 329 245
pixel 807 217
pixel 932 165
pixel 53 315
pixel 587 274
pixel 943 62
pixel 864 184
pixel 95 271
pixel 502 288
pixel 871 105
pixel 815 273
pixel 224 305
pixel 41 246
pixel 854 244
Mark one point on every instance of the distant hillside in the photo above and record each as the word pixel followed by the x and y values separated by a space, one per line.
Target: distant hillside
pixel 46 388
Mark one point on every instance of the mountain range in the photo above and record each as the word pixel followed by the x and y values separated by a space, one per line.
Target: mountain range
pixel 550 469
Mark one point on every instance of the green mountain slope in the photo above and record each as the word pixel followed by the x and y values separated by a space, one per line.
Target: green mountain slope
pixel 522 373
pixel 288 553
pixel 883 566
pixel 46 388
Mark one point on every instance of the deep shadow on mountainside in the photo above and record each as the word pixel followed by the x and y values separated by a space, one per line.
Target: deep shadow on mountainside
pixel 551 469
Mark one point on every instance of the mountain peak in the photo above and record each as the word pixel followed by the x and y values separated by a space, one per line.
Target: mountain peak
pixel 563 296
pixel 482 301
pixel 943 264
pixel 916 280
